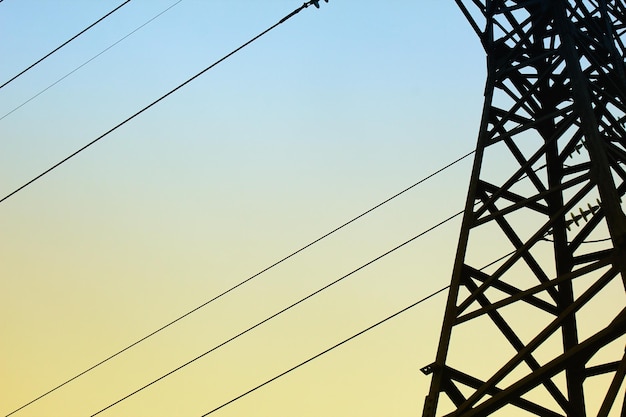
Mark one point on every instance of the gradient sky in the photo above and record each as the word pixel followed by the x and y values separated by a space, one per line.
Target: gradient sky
pixel 323 118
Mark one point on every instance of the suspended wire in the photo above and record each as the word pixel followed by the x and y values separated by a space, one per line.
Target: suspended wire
pixel 283 20
pixel 344 341
pixel 347 340
pixel 361 332
pixel 260 323
pixel 606 239
pixel 68 41
pixel 88 61
pixel 498 260
pixel 354 336
pixel 266 269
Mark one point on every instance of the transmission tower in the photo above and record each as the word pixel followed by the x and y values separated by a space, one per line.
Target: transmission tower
pixel 540 331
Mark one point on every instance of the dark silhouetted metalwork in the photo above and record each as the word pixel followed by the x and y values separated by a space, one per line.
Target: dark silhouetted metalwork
pixel 542 331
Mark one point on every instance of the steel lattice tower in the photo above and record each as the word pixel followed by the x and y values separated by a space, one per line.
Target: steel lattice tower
pixel 541 330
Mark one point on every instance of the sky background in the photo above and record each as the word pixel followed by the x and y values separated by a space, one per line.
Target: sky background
pixel 323 118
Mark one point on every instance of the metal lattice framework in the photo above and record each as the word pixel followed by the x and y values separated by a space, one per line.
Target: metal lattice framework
pixel 541 330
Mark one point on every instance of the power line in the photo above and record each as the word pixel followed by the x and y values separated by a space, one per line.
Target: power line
pixel 343 342
pixel 222 294
pixel 88 61
pixel 267 319
pixel 354 336
pixel 281 21
pixel 68 41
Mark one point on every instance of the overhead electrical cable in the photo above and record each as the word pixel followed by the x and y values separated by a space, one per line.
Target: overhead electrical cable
pixel 89 60
pixel 66 42
pixel 293 305
pixel 441 223
pixel 215 298
pixel 172 91
pixel 354 336
pixel 278 313
pixel 343 342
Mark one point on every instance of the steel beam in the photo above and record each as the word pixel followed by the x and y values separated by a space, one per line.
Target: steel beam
pixel 536 330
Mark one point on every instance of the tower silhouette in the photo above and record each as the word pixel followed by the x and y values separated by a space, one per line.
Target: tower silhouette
pixel 540 330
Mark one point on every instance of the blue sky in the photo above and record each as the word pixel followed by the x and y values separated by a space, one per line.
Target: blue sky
pixel 329 114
